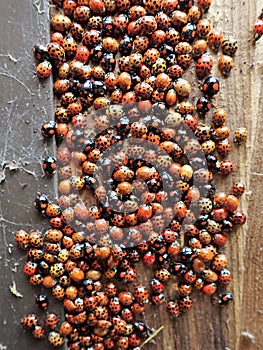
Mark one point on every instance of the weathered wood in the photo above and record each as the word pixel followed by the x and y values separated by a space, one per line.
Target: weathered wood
pixel 25 104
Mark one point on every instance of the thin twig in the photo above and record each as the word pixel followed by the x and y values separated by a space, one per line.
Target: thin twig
pixel 152 336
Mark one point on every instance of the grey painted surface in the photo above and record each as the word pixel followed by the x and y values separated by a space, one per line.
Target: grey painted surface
pixel 25 104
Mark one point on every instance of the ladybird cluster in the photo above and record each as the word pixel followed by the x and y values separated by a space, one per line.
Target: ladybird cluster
pixel 141 190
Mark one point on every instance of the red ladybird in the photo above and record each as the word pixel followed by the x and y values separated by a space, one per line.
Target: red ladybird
pixel 173 308
pixel 51 320
pixel 149 258
pixel 29 321
pixel 43 70
pixel 30 268
pixel 158 299
pixel 22 239
pixel 97 6
pixel 185 303
pixel 204 65
pixel 238 218
pixel 157 286
pixel 39 332
pixel 238 189
pixel 258 28
pixel 226 167
pixel 204 4
pixel 214 39
pixel 224 277
pixel 209 288
pixel 141 294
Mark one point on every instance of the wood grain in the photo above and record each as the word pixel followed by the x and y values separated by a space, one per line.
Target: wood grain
pixel 236 327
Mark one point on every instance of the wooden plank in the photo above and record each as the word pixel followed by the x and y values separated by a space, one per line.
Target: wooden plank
pixel 25 104
pixel 238 325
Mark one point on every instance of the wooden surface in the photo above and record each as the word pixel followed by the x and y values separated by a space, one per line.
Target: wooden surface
pixel 25 104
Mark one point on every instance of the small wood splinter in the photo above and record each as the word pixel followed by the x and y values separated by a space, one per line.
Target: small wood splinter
pixel 152 336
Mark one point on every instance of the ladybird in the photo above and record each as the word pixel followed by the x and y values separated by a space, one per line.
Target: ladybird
pixel 219 239
pixel 148 24
pixel 185 303
pixel 240 135
pixel 219 199
pixel 210 86
pixel 188 32
pixel 204 4
pixel 158 299
pixel 199 47
pixel 30 268
pixel 22 239
pixel 110 44
pixel 162 274
pixel 172 308
pixel 225 299
pixel 209 288
pixel 36 239
pixel 208 147
pixel 49 165
pixel 60 22
pixel 157 286
pixel 203 132
pixel 49 129
pixel 97 6
pixel 185 289
pixel 238 189
pixel 182 87
pixel 224 277
pixel 44 69
pixel 225 64
pixel 52 210
pixel 232 203
pixel 226 167
pixel 42 301
pixel 55 339
pixel 29 321
pixel 107 26
pixel 41 52
pixel 215 39
pixel 51 320
pixel 219 117
pixel 120 22
pixel 125 45
pixel 56 52
pixel 204 65
pixel 220 262
pixel 229 46
pixel 39 332
pixel 158 38
pixel 258 28
pixel 184 60
pixel 163 20
pixel 203 106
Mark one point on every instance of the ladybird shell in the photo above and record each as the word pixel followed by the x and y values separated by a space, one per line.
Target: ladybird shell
pixel 182 87
pixel 60 22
